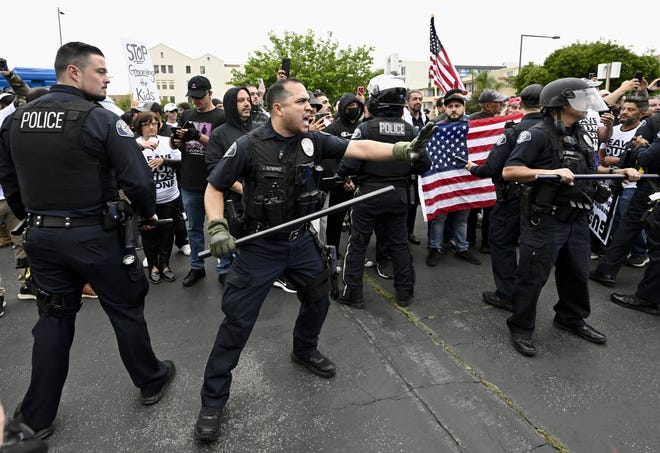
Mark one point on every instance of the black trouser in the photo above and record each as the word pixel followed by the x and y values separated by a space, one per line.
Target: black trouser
pixel 630 225
pixel 564 245
pixel 250 278
pixel 180 227
pixel 649 288
pixel 389 211
pixel 336 220
pixel 157 242
pixel 485 225
pixel 62 260
pixel 504 235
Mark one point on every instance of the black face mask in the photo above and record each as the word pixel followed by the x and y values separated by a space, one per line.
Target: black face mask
pixel 352 113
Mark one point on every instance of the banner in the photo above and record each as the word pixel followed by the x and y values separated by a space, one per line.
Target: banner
pixel 601 216
pixel 141 76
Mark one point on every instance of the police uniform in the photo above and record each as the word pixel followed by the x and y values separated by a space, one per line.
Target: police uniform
pixel 632 223
pixel 280 183
pixel 504 230
pixel 61 157
pixel 388 211
pixel 554 227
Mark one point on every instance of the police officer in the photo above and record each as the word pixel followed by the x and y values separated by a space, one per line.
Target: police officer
pixel 555 214
pixel 387 95
pixel 504 230
pixel 645 298
pixel 61 158
pixel 279 164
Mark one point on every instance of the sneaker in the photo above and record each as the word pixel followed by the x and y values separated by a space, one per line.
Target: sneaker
pixel 144 262
pixel 594 256
pixel 185 249
pixel 368 263
pixel 3 304
pixel 638 261
pixel 24 293
pixel 433 258
pixel 468 256
pixel 284 286
pixel 385 270
pixel 88 292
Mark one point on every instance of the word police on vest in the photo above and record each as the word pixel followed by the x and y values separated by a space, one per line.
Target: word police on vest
pixel 42 120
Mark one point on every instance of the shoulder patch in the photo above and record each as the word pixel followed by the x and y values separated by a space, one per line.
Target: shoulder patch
pixel 524 136
pixel 122 129
pixel 308 146
pixel 231 152
pixel 587 139
pixel 357 134
pixel 501 140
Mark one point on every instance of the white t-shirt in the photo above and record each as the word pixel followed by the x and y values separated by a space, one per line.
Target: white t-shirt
pixel 167 188
pixel 617 143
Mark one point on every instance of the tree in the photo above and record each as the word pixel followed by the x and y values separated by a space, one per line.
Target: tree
pixel 578 60
pixel 318 62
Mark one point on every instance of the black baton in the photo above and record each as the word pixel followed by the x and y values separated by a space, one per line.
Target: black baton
pixel 313 216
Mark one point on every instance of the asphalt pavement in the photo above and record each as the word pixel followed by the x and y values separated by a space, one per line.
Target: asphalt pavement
pixel 438 376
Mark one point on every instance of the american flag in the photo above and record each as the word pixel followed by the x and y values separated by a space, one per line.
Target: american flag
pixel 442 72
pixel 448 186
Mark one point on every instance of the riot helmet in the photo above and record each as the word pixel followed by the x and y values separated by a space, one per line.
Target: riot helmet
pixel 386 92
pixel 572 91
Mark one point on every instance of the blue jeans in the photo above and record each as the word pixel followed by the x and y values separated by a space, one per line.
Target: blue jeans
pixel 193 203
pixel 457 220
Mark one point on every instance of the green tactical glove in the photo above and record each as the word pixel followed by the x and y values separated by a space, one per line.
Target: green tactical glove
pixel 411 150
pixel 222 243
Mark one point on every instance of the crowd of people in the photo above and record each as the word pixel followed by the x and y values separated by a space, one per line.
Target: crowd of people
pixel 212 171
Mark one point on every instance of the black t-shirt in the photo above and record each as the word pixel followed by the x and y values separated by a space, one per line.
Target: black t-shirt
pixel 193 153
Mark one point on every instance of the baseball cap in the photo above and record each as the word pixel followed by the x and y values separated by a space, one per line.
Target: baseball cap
pixel 149 107
pixel 514 101
pixel 491 96
pixel 198 86
pixel 456 97
pixel 170 107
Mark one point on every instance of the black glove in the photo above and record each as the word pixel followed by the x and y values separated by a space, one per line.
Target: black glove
pixel 191 134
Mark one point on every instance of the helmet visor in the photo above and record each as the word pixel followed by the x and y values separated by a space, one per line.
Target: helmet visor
pixel 587 99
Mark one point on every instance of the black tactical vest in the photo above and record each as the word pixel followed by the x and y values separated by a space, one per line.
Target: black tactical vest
pixel 576 153
pixel 54 172
pixel 284 181
pixel 388 130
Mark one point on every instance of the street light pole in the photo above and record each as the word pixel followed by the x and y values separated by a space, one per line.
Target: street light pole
pixel 521 43
pixel 59 23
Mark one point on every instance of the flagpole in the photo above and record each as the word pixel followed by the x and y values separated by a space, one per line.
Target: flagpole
pixel 59 23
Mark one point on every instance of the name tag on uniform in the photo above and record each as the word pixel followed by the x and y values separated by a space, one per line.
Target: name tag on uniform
pixel 387 128
pixel 42 121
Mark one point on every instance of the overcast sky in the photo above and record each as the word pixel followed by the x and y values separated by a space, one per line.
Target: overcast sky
pixel 478 32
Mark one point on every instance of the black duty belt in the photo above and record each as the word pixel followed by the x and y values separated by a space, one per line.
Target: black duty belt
pixel 49 221
pixel 289 235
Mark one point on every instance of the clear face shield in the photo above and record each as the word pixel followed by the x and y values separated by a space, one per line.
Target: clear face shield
pixel 587 99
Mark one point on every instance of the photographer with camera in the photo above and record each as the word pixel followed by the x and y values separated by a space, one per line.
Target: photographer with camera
pixel 192 138
pixel 62 158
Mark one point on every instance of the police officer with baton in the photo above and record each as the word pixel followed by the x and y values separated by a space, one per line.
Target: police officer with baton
pixel 280 166
pixel 555 214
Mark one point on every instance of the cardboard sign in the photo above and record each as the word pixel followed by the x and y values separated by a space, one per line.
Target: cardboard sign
pixel 141 76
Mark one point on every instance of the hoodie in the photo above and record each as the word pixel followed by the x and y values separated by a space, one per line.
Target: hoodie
pixel 224 135
pixel 343 127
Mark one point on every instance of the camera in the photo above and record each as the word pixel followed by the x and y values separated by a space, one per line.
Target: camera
pixel 3 65
pixel 318 116
pixel 639 75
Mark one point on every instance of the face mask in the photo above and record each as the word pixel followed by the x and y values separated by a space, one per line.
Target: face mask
pixel 352 113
